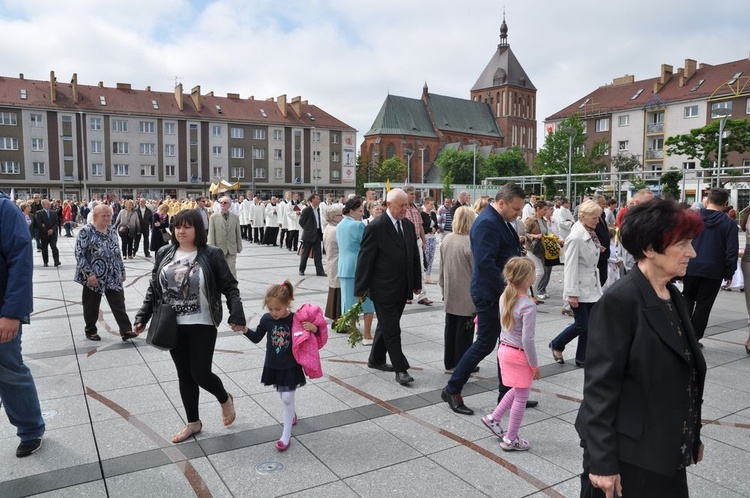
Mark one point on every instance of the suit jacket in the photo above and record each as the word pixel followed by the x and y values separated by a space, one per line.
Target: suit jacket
pixel 310 231
pixel 602 231
pixel 230 244
pixel 581 275
pixel 634 402
pixel 44 223
pixel 349 237
pixel 146 219
pixel 388 266
pixel 493 243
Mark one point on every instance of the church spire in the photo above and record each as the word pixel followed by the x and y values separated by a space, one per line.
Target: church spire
pixel 503 32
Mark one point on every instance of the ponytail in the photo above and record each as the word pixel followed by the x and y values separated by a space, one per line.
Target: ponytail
pixel 517 272
pixel 284 293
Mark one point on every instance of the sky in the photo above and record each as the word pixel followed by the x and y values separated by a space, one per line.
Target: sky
pixel 346 56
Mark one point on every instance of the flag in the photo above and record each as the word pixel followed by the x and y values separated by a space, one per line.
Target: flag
pixel 387 186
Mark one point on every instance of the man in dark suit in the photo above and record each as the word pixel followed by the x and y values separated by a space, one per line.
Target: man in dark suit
pixel 388 270
pixel 48 223
pixel 602 231
pixel 312 236
pixel 146 217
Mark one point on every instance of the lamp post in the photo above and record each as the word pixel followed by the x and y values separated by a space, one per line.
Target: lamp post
pixel 408 153
pixel 372 163
pixel 572 132
pixel 315 168
pixel 722 113
pixel 252 166
pixel 474 176
pixel 421 151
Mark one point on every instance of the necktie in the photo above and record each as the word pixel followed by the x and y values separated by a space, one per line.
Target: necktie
pixel 226 216
pixel 398 228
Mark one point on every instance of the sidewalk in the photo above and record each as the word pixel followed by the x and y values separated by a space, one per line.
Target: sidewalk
pixel 111 408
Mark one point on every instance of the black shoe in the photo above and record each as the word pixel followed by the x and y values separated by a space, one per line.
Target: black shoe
pixel 404 378
pixel 58 263
pixel 93 337
pixel 579 364
pixel 700 345
pixel 321 274
pixel 26 448
pixel 46 265
pixel 475 369
pixel 148 255
pixel 456 402
pixel 383 367
pixel 128 335
pixel 301 274
pixel 531 403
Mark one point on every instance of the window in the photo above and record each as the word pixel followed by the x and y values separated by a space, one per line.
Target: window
pixel 67 119
pixel 169 170
pixel 170 150
pixel 691 111
pixel 216 171
pixel 217 150
pixel 316 136
pixel 334 138
pixel 96 147
pixel 37 120
pixel 746 166
pixel 623 120
pixel 237 153
pixel 148 149
pixel 97 169
pixel 238 173
pixel 335 174
pixel 8 143
pixel 120 147
pixel 10 167
pixel 119 125
pixel 148 170
pixel 169 128
pixel 37 144
pixel 38 168
pixel 237 132
pixel 277 153
pixel 335 157
pixel 606 148
pixel 216 130
pixel 155 105
pixel 102 100
pixel 747 106
pixel 260 173
pixel 688 165
pixel 8 118
pixel 721 105
pixel 278 135
pixel 259 134
pixel 95 123
pixel 148 127
pixel 278 174
pixel 390 151
pixel 657 143
pixel 602 124
pixel 316 156
pixel 259 153
pixel 121 169
pixel 623 145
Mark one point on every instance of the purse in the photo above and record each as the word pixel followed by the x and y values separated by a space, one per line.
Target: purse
pixel 537 248
pixel 551 250
pixel 162 332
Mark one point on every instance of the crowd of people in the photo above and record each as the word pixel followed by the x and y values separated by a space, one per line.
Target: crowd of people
pixel 496 258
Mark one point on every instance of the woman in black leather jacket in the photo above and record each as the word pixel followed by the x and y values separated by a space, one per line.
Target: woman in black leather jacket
pixel 191 276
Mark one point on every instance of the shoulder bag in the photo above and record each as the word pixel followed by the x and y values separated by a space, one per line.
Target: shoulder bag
pixel 162 332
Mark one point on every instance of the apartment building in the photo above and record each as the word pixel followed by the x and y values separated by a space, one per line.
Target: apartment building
pixel 77 141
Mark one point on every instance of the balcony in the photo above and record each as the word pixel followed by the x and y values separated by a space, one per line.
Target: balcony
pixel 655 128
pixel 653 175
pixel 655 154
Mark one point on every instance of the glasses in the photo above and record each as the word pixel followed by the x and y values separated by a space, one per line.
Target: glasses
pixel 224 202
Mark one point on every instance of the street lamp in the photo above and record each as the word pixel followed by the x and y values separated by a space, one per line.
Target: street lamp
pixel 252 166
pixel 421 151
pixel 474 177
pixel 408 153
pixel 372 163
pixel 572 132
pixel 724 114
pixel 315 169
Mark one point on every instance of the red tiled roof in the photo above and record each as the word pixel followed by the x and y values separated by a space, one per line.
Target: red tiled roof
pixel 611 98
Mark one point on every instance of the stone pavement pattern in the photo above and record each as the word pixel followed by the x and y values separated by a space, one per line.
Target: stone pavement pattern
pixel 111 408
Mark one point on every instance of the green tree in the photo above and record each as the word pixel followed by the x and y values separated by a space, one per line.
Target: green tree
pixel 363 164
pixel 447 186
pixel 393 169
pixel 670 182
pixel 702 143
pixel 625 162
pixel 510 162
pixel 552 158
pixel 460 166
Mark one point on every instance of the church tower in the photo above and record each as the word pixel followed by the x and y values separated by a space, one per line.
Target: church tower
pixel 511 95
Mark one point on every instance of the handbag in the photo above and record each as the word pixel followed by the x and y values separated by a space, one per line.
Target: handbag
pixel 551 255
pixel 162 332
pixel 166 237
pixel 537 248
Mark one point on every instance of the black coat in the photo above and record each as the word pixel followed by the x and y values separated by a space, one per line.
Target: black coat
pixel 311 232
pixel 45 223
pixel 634 403
pixel 388 265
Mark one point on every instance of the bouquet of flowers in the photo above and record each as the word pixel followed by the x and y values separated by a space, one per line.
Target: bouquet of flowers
pixel 347 323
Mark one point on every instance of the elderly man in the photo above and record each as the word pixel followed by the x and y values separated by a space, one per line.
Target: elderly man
pixel 388 270
pixel 147 217
pixel 224 232
pixel 17 389
pixel 48 223
pixel 200 206
pixel 464 199
pixel 643 195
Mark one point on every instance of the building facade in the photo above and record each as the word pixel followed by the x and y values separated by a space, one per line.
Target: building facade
pixel 76 141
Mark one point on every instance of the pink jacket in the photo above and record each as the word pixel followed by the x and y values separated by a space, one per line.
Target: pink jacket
pixel 305 345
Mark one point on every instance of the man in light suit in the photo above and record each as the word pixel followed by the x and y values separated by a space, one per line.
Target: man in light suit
pixel 48 224
pixel 224 232
pixel 312 236
pixel 388 270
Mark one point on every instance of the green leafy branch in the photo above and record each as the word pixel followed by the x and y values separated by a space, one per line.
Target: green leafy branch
pixel 347 323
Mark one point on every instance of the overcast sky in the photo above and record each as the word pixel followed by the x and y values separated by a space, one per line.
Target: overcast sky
pixel 346 56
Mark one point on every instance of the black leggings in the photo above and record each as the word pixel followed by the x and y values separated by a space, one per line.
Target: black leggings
pixel 192 357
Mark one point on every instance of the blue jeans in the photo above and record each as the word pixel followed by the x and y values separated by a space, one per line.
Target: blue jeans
pixel 18 392
pixel 579 328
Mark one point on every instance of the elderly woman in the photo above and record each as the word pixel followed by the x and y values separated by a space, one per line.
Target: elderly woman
pixel 581 285
pixel 640 418
pixel 128 225
pixel 349 236
pixel 100 271
pixel 333 304
pixel 454 279
pixel 536 226
pixel 192 276
pixel 376 209
pixel 159 235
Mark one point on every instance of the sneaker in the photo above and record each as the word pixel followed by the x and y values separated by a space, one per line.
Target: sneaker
pixel 542 296
pixel 493 425
pixel 517 445
pixel 26 448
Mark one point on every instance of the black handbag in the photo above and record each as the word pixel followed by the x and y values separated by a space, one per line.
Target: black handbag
pixel 537 248
pixel 162 332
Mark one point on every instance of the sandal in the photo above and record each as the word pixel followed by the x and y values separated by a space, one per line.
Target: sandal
pixel 187 431
pixel 227 411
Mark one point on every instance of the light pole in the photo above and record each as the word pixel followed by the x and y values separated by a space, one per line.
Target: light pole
pixel 572 132
pixel 315 168
pixel 372 163
pixel 252 166
pixel 474 177
pixel 722 113
pixel 421 151
pixel 408 153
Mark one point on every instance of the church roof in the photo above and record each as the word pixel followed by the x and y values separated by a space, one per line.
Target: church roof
pixel 462 115
pixel 402 116
pixel 503 69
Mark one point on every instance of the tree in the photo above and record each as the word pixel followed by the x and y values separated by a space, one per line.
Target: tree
pixel 625 162
pixel 509 163
pixel 460 166
pixel 393 169
pixel 670 182
pixel 361 174
pixel 447 186
pixel 703 143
